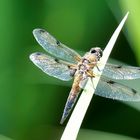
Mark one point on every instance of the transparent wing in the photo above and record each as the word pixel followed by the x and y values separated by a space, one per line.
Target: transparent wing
pixel 121 72
pixel 110 89
pixel 55 47
pixel 51 66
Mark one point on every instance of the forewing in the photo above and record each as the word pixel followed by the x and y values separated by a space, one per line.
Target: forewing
pixel 121 72
pixel 55 47
pixel 110 89
pixel 51 66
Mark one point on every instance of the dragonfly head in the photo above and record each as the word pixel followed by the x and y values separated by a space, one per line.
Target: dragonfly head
pixel 97 52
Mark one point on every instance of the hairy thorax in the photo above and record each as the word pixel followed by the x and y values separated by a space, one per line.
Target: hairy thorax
pixel 86 65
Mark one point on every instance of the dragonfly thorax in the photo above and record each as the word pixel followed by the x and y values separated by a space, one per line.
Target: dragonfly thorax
pixel 84 66
pixel 89 61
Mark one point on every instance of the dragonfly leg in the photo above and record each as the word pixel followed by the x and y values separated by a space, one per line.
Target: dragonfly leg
pixel 91 74
pixel 98 68
pixel 77 58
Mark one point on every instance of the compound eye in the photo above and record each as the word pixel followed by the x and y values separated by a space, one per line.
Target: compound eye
pixel 93 51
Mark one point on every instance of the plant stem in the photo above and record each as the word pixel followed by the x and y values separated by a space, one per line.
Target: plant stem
pixel 75 121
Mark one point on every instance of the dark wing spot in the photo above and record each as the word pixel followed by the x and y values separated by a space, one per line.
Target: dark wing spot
pixel 42 31
pixel 72 72
pixel 134 91
pixel 119 66
pixel 56 60
pixel 38 53
pixel 58 42
pixel 110 82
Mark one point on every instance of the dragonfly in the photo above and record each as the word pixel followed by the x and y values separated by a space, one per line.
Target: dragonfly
pixel 66 64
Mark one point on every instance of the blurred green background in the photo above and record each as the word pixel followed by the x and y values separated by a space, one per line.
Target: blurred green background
pixel 31 103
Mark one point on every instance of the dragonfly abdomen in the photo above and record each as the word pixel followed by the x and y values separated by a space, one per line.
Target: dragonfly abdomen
pixel 69 105
pixel 72 98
